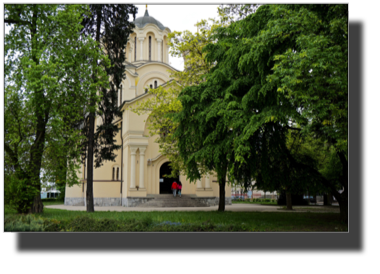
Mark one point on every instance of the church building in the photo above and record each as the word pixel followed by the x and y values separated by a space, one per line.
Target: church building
pixel 138 174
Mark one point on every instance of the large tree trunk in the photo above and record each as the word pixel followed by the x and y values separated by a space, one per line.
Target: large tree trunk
pixel 91 133
pixel 289 200
pixel 37 206
pixel 222 189
pixel 38 146
pixel 222 194
pixel 90 165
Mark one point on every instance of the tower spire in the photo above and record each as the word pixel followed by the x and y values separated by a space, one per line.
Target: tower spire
pixel 146 11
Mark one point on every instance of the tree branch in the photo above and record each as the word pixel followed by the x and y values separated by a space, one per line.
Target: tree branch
pixel 19 22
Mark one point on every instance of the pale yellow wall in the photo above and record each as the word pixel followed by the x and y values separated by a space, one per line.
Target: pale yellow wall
pixel 74 191
pixel 105 171
pixel 106 189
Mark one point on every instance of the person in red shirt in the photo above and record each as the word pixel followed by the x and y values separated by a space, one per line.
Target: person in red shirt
pixel 174 188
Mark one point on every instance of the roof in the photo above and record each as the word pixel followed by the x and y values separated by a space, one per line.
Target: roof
pixel 146 19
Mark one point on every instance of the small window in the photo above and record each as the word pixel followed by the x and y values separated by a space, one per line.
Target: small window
pixel 146 90
pixel 113 174
pixel 151 86
pixel 117 174
pixel 155 84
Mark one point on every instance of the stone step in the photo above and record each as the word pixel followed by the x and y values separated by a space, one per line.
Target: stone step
pixel 169 196
pixel 173 202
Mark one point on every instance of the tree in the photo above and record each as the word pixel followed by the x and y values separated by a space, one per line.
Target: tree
pixel 248 90
pixel 298 54
pixel 47 82
pixel 204 138
pixel 109 25
pixel 236 12
pixel 313 75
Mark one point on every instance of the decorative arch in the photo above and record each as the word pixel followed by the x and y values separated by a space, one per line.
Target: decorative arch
pixel 151 28
pixel 151 75
pixel 152 82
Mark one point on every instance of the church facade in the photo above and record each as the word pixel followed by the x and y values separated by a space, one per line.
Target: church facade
pixel 138 174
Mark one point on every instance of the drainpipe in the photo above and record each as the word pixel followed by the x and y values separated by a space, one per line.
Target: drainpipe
pixel 121 168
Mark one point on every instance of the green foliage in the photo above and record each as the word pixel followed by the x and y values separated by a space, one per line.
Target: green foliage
pixel 88 224
pixel 19 193
pixel 235 12
pixel 109 26
pixel 283 68
pixel 48 67
pixel 23 223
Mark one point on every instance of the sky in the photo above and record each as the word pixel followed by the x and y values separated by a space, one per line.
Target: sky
pixel 178 17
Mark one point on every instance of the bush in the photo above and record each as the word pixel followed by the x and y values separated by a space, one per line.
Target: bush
pixel 85 223
pixel 23 223
pixel 19 194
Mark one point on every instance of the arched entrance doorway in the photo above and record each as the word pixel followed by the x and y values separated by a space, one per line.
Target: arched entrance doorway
pixel 165 182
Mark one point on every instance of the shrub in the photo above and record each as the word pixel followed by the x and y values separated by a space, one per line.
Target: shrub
pixel 85 223
pixel 18 223
pixel 19 194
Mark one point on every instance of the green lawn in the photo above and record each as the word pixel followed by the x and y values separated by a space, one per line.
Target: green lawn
pixel 63 220
pixel 52 202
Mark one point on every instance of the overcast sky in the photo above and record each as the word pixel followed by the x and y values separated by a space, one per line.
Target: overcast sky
pixel 179 17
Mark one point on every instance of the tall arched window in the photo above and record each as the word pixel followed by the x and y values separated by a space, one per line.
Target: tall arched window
pixel 150 48
pixel 151 86
pixel 115 173
pixel 155 84
pixel 135 46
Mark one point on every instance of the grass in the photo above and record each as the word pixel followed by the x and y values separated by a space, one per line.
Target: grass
pixel 63 220
pixel 52 202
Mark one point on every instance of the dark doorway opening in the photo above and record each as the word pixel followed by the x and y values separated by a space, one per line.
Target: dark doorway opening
pixel 165 182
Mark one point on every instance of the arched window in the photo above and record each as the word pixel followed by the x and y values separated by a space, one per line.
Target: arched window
pixel 115 173
pixel 155 84
pixel 146 90
pixel 135 46
pixel 151 86
pixel 150 48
